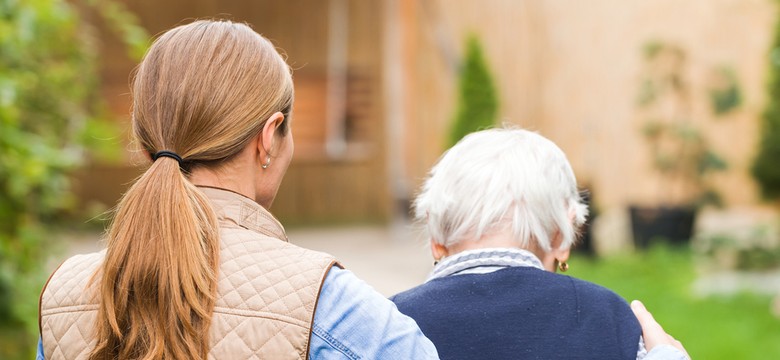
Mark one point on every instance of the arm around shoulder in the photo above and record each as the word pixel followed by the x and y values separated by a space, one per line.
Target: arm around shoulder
pixel 662 346
pixel 353 321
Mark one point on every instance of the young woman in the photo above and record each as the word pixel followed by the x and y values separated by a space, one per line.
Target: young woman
pixel 195 265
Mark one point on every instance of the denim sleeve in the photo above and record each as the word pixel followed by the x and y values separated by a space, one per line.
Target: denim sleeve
pixel 665 352
pixel 39 355
pixel 353 321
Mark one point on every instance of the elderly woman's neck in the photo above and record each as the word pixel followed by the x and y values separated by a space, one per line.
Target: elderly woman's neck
pixel 497 240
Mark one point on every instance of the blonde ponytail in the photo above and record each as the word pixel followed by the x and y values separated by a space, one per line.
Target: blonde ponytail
pixel 159 276
pixel 203 91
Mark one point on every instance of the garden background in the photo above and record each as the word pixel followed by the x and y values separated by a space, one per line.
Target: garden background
pixel 663 107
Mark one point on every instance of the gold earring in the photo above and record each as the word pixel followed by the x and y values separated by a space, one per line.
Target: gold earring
pixel 267 162
pixel 563 266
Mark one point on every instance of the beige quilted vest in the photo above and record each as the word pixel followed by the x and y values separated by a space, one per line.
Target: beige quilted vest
pixel 267 288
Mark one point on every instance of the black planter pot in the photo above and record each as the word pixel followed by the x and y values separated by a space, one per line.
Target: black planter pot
pixel 671 224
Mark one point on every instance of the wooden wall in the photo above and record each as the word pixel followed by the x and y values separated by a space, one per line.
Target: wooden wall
pixel 318 187
pixel 571 70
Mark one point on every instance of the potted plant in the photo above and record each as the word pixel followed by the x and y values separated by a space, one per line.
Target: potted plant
pixel 679 152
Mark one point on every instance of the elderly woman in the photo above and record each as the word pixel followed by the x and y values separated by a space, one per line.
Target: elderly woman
pixel 503 210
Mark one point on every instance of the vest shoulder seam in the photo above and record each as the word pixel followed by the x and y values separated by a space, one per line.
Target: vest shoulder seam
pixel 260 314
pixel 69 309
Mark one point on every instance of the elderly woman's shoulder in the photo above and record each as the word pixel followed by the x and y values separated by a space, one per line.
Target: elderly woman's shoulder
pixel 516 279
pixel 596 295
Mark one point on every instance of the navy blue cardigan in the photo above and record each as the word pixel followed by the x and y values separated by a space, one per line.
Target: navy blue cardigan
pixel 522 313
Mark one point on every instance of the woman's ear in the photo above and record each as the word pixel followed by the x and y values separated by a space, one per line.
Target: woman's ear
pixel 557 254
pixel 438 251
pixel 562 255
pixel 268 134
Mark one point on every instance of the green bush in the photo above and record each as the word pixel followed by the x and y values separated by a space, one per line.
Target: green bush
pixel 50 116
pixel 477 100
pixel 765 166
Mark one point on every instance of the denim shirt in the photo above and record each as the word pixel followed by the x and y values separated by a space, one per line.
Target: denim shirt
pixel 353 321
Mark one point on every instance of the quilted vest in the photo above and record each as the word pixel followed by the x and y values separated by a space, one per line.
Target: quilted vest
pixel 267 291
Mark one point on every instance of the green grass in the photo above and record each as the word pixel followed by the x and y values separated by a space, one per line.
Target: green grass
pixel 732 327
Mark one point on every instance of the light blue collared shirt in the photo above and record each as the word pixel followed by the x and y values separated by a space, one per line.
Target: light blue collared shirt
pixel 353 321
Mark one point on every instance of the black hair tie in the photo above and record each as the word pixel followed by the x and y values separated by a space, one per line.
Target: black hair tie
pixel 166 153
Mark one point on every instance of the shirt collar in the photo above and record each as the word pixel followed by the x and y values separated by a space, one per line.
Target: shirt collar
pixel 483 261
pixel 232 207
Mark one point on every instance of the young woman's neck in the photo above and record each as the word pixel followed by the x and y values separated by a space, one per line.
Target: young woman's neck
pixel 237 176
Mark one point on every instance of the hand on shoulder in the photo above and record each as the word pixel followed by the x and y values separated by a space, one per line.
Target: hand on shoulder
pixel 652 331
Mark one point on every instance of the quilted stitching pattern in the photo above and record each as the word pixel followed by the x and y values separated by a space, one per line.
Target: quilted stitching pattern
pixel 67 311
pixel 267 291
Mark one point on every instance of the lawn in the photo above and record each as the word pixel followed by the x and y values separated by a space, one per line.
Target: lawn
pixel 727 327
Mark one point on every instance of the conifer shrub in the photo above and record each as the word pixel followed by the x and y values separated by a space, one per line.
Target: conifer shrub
pixel 477 99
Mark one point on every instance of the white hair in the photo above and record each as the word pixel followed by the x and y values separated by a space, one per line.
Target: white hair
pixel 500 179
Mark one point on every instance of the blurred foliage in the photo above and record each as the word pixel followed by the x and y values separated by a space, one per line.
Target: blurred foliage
pixel 679 151
pixel 766 166
pixel 51 113
pixel 752 249
pixel 477 100
pixel 736 326
pixel 724 91
pixel 725 94
pixel 758 258
pixel 664 75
